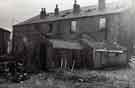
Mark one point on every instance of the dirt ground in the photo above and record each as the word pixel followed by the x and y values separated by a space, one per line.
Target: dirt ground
pixel 107 78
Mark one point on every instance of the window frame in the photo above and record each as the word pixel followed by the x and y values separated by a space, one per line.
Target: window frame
pixel 73 26
pixel 102 24
pixel 50 28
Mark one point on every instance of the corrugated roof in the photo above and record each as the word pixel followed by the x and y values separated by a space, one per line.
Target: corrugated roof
pixel 68 14
pixel 102 45
pixel 84 43
pixel 111 51
pixel 65 44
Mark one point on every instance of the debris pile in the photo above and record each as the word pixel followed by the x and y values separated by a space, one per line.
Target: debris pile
pixel 74 77
pixel 87 79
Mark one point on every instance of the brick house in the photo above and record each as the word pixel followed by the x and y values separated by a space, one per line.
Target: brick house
pixel 95 24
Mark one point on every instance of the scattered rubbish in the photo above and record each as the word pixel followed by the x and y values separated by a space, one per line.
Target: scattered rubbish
pixel 38 83
pixel 50 82
pixel 20 73
pixel 82 79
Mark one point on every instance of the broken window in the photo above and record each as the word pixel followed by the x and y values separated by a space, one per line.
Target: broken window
pixel 73 26
pixel 102 23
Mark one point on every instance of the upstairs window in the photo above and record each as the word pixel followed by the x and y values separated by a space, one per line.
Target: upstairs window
pixel 50 28
pixel 73 26
pixel 25 39
pixel 102 24
pixel 37 26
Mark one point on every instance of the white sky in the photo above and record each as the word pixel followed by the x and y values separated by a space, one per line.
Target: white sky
pixel 14 11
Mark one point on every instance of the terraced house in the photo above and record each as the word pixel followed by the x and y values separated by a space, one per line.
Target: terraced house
pixel 78 37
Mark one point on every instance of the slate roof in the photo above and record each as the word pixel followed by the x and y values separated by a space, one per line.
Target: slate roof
pixel 68 14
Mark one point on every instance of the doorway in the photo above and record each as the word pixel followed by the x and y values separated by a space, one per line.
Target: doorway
pixel 43 56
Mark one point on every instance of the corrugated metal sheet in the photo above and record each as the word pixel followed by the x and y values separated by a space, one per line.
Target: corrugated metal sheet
pixel 65 44
pixel 102 45
pixel 111 51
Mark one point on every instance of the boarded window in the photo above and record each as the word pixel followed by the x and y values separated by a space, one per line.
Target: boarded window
pixel 102 23
pixel 73 26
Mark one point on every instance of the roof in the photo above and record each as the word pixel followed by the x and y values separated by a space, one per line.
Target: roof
pixel 65 44
pixel 102 45
pixel 2 29
pixel 68 14
pixel 111 51
pixel 84 43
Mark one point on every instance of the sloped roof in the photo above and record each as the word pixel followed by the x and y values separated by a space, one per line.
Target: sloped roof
pixel 84 43
pixel 67 14
pixel 102 45
pixel 65 44
pixel 3 29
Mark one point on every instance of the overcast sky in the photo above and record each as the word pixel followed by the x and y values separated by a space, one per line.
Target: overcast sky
pixel 14 11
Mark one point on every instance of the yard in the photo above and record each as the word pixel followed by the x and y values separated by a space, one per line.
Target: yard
pixel 107 78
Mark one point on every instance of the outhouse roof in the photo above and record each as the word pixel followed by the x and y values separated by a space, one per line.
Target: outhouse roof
pixel 65 44
pixel 102 45
pixel 111 51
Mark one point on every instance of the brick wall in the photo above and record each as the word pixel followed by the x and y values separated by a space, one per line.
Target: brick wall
pixel 30 36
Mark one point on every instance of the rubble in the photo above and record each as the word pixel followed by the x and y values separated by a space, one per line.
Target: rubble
pixel 80 79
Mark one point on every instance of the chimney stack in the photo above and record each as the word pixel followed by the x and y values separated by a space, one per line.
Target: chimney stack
pixel 101 4
pixel 76 8
pixel 43 13
pixel 56 11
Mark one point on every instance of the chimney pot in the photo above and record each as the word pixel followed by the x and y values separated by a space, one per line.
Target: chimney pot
pixel 56 11
pixel 101 4
pixel 43 13
pixel 76 7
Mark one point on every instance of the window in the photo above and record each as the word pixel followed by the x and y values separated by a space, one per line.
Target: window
pixel 102 23
pixel 25 40
pixel 73 26
pixel 37 26
pixel 112 54
pixel 50 28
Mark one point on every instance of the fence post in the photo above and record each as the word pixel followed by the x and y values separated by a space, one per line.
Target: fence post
pixel 73 66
